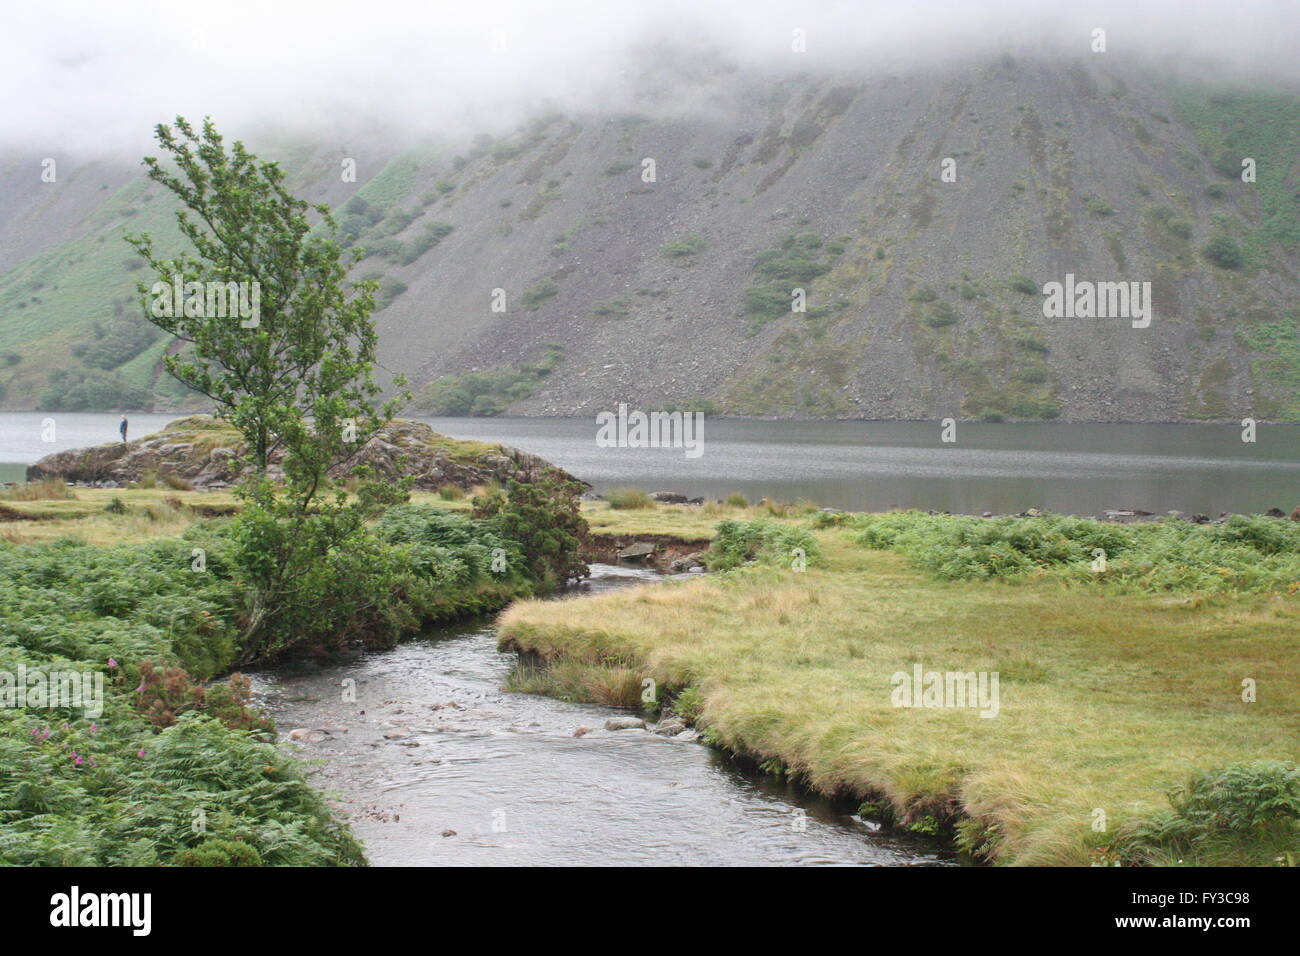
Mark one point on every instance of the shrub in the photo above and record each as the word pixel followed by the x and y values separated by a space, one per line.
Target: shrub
pixel 762 541
pixel 684 248
pixel 1242 554
pixel 167 692
pixel 629 499
pixel 617 308
pixel 216 852
pixel 432 235
pixel 1024 284
pixel 941 314
pixel 1229 814
pixel 736 500
pixel 1224 253
pixel 543 518
pixel 1098 207
pixel 538 294
pixel 618 167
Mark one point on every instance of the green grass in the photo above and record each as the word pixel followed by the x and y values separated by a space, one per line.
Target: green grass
pixel 1276 366
pixel 797 260
pixel 1231 124
pixel 1107 699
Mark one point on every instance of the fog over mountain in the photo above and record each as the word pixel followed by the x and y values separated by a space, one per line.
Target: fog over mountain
pixel 93 77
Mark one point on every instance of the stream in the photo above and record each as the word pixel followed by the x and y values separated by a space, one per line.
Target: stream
pixel 434 763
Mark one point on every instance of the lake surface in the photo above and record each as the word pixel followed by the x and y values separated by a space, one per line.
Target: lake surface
pixel 867 466
pixel 434 746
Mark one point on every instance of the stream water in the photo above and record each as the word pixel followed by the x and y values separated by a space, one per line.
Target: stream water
pixel 441 766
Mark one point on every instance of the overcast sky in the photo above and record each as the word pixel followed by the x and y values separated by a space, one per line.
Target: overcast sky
pixel 81 75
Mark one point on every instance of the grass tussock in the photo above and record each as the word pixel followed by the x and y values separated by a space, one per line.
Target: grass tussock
pixel 629 499
pixel 47 489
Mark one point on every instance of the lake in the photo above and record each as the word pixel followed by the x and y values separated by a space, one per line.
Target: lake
pixel 865 466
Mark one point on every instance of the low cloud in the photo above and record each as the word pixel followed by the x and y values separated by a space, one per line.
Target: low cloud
pixel 88 76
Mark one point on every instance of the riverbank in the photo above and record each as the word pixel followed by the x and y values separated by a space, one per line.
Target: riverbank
pixel 1109 694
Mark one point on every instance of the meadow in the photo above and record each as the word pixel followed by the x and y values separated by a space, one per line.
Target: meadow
pixel 1125 733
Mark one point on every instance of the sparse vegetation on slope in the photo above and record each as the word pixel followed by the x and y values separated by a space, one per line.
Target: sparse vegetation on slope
pixel 483 394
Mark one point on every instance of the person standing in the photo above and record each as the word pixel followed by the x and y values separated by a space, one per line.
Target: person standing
pixel 122 429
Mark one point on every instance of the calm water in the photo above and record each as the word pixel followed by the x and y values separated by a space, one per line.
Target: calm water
pixel 505 772
pixel 1078 469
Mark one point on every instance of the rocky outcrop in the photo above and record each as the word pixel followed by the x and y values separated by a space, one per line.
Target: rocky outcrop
pixel 201 452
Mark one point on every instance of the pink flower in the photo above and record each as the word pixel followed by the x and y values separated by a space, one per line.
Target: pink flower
pixel 112 663
pixel 94 727
pixel 139 753
pixel 77 761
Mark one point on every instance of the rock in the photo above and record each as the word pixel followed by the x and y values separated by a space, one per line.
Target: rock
pixel 669 498
pixel 670 727
pixel 449 833
pixel 303 735
pixel 1295 515
pixel 581 731
pixel 637 552
pixel 200 451
pixel 1199 518
pixel 397 734
pixel 1275 513
pixel 625 723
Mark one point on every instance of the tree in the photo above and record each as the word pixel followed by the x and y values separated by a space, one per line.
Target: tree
pixel 311 352
pixel 296 378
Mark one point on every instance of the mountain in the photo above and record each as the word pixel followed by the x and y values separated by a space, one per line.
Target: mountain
pixel 924 297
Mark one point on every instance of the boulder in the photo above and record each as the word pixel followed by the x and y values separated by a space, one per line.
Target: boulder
pixel 670 727
pixel 636 552
pixel 625 723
